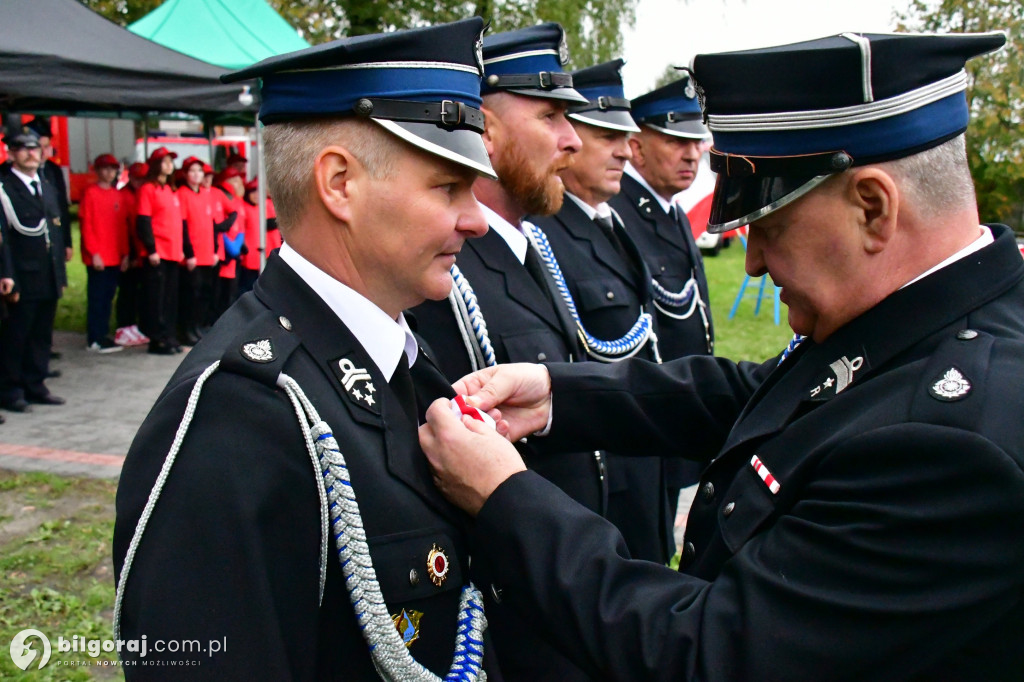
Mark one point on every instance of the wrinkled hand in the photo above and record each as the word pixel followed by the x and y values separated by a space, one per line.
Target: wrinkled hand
pixel 469 458
pixel 521 391
pixel 6 286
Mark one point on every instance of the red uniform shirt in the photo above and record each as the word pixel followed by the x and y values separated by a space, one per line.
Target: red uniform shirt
pixel 199 208
pixel 274 239
pixel 228 203
pixel 103 216
pixel 161 205
pixel 251 260
pixel 135 246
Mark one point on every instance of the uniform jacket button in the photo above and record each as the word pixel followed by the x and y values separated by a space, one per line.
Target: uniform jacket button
pixel 610 295
pixel 727 509
pixel 541 357
pixel 707 491
pixel 689 552
pixel 966 334
pixel 414 577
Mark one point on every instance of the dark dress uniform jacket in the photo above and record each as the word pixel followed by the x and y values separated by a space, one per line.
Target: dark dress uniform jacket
pixel 671 255
pixel 610 292
pixel 36 263
pixel 524 326
pixel 891 548
pixel 232 550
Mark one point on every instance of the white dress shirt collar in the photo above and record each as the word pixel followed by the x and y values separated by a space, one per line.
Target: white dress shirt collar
pixel 28 180
pixel 983 240
pixel 512 235
pixel 666 206
pixel 383 338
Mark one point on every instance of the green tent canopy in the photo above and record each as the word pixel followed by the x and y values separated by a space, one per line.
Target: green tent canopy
pixel 228 33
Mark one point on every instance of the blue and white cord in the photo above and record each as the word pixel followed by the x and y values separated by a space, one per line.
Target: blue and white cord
pixel 605 351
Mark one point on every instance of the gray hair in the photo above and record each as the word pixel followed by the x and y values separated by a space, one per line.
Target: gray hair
pixel 291 147
pixel 937 180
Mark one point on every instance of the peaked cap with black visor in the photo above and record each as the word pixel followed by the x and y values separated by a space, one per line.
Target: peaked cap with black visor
pixel 529 62
pixel 607 106
pixel 787 118
pixel 672 109
pixel 421 84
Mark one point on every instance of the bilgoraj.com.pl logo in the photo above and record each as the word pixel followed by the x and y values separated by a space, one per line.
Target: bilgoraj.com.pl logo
pixel 24 648
pixel 31 648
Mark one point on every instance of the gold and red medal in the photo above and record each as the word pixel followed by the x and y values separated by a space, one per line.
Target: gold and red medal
pixel 437 565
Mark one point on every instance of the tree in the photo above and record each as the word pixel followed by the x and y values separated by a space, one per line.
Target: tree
pixel 995 143
pixel 593 27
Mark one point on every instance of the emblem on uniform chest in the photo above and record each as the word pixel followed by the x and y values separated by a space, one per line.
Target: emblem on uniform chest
pixel 357 382
pixel 437 565
pixel 843 370
pixel 408 624
pixel 952 386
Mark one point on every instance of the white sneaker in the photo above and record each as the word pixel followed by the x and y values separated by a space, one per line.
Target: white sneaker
pixel 140 338
pixel 124 336
pixel 103 346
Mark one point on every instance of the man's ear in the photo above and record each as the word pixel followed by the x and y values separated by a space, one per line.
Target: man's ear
pixel 637 147
pixel 336 175
pixel 492 130
pixel 876 199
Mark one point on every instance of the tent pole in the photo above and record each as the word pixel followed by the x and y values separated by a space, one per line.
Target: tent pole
pixel 209 140
pixel 145 136
pixel 261 194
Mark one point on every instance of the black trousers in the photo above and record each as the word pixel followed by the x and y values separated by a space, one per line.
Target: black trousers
pixel 25 339
pixel 162 302
pixel 130 298
pixel 202 296
pixel 100 288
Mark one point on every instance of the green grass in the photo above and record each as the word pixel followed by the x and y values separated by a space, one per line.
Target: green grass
pixel 56 574
pixel 746 336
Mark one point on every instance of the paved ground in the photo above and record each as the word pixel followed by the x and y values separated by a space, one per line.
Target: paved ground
pixel 107 396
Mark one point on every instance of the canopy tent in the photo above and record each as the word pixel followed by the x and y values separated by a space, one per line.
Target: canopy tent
pixel 59 56
pixel 229 33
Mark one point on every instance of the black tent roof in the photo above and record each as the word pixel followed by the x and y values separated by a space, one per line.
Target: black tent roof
pixel 59 56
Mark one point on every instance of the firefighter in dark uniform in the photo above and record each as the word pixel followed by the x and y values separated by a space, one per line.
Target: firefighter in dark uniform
pixel 34 257
pixel 665 156
pixel 862 511
pixel 609 286
pixel 505 306
pixel 295 524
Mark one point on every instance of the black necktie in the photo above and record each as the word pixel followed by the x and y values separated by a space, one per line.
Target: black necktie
pixel 401 385
pixel 609 227
pixel 37 191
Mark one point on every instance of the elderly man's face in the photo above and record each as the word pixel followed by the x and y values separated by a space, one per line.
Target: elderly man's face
pixel 596 173
pixel 531 142
pixel 814 252
pixel 668 163
pixel 407 230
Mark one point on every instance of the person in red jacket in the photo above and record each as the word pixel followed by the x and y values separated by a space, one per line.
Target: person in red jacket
pixel 130 296
pixel 229 190
pixel 250 262
pixel 200 210
pixel 164 235
pixel 104 250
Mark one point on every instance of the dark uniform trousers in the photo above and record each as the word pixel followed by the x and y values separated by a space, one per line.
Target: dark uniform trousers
pixel 859 519
pixel 36 264
pixel 525 324
pixel 610 285
pixel 672 256
pixel 232 549
pixel 161 284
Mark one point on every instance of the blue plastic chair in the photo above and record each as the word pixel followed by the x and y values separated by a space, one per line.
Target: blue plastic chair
pixel 759 293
